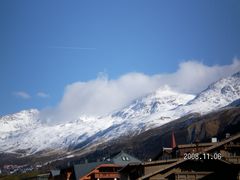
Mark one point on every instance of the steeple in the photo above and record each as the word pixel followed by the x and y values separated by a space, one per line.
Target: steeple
pixel 173 143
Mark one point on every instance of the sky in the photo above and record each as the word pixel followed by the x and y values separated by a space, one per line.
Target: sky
pixel 73 55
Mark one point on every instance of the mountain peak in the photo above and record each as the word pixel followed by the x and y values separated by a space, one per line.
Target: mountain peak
pixel 218 94
pixel 162 99
pixel 164 91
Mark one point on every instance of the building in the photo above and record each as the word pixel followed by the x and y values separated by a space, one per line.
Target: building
pixel 186 169
pixel 108 169
pixel 79 171
pixel 215 160
pixel 103 171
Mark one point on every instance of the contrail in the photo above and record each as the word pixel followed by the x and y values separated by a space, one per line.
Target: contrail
pixel 74 48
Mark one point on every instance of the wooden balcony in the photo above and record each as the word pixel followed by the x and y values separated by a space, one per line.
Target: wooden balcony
pixel 105 175
pixel 233 159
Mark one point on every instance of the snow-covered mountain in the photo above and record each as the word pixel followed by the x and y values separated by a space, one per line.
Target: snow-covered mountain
pixel 160 101
pixel 26 132
pixel 22 121
pixel 217 95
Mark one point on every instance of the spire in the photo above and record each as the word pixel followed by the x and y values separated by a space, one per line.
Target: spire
pixel 173 143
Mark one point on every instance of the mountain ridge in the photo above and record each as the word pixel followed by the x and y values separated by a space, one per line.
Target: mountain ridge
pixel 24 132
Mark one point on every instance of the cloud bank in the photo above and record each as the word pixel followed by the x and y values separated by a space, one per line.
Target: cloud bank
pixel 103 95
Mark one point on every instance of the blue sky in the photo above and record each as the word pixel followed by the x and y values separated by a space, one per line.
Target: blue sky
pixel 47 45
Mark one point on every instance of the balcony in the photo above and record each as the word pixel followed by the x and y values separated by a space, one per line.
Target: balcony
pixel 105 175
pixel 233 159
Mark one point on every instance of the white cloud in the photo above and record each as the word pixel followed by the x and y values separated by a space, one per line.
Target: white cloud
pixel 43 95
pixel 194 76
pixel 102 95
pixel 22 94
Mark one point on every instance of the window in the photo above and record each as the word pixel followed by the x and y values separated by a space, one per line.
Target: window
pixel 125 158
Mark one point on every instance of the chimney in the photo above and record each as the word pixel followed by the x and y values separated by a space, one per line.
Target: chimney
pixel 214 139
pixel 173 143
pixel 228 135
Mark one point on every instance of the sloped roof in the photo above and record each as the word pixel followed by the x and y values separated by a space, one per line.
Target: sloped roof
pixel 184 160
pixel 180 146
pixel 130 166
pixel 55 172
pixel 218 144
pixel 81 170
pixel 163 169
pixel 164 161
pixel 124 159
pixel 170 166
